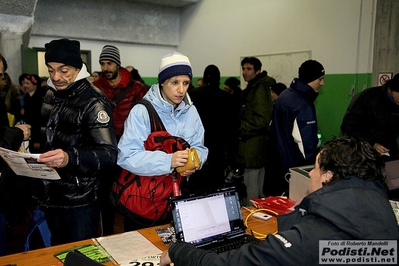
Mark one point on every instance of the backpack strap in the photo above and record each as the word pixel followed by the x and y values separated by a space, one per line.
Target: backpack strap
pixel 121 93
pixel 155 120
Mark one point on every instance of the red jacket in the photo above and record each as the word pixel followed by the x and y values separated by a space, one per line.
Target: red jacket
pixel 122 109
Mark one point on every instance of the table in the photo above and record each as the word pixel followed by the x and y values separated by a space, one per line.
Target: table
pixel 45 256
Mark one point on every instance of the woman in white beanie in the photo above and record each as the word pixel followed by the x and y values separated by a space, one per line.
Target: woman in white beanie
pixel 179 116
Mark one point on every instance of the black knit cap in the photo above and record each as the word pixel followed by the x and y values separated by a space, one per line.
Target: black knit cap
pixel 232 82
pixel 393 84
pixel 64 51
pixel 211 75
pixel 310 70
pixel 278 88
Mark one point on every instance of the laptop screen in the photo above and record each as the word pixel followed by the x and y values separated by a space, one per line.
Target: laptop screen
pixel 202 219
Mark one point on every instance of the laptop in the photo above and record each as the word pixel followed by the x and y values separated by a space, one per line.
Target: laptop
pixel 212 221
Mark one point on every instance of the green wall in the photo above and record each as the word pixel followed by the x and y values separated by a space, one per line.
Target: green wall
pixel 333 100
pixel 150 81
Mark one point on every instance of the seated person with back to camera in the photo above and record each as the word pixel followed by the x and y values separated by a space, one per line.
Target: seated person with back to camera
pixel 347 201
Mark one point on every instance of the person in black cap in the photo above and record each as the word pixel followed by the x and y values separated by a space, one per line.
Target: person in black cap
pixel 79 141
pixel 219 127
pixel 294 124
pixel 232 87
pixel 276 90
pixel 373 115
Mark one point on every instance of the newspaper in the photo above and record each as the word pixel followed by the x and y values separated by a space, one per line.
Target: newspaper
pixel 395 208
pixel 129 248
pixel 25 164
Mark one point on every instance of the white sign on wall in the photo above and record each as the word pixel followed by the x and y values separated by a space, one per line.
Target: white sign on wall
pixel 283 67
pixel 383 78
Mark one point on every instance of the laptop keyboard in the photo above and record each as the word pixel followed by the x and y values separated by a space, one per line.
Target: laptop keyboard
pixel 235 244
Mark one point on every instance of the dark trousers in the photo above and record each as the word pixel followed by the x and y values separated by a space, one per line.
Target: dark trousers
pixel 2 234
pixel 69 225
pixel 108 210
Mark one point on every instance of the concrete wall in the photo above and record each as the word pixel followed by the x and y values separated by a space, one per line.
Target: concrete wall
pixel 220 32
pixel 352 39
pixel 386 41
pixel 120 21
pixel 338 33
pixel 146 58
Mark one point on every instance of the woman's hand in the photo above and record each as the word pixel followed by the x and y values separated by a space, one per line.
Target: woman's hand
pixel 180 158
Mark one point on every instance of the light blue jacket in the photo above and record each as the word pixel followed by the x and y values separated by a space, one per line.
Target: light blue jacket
pixel 183 122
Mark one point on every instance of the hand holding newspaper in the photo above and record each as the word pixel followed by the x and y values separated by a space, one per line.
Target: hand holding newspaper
pixel 25 164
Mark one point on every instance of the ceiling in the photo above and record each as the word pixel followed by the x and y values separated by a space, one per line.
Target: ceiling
pixel 172 3
pixel 27 7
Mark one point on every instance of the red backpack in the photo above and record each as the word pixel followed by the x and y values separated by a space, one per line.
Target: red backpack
pixel 148 196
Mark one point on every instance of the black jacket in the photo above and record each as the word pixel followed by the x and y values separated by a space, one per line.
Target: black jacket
pixel 294 113
pixel 215 110
pixel 374 117
pixel 80 123
pixel 32 115
pixel 351 209
pixel 10 138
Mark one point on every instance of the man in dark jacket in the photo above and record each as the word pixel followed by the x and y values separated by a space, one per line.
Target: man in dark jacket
pixel 119 87
pixel 373 115
pixel 347 201
pixel 79 141
pixel 255 115
pixel 294 124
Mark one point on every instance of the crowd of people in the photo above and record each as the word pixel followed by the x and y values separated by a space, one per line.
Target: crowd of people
pixel 91 129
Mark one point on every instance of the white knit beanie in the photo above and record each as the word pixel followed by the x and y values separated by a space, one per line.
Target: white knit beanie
pixel 173 65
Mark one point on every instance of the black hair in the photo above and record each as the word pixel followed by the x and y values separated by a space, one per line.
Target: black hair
pixel 211 75
pixel 233 82
pixel 252 61
pixel 279 88
pixel 348 156
pixel 22 77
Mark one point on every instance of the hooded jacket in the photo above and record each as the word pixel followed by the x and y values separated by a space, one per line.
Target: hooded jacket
pixel 255 115
pixel 120 112
pixel 351 209
pixel 294 125
pixel 79 121
pixel 183 122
